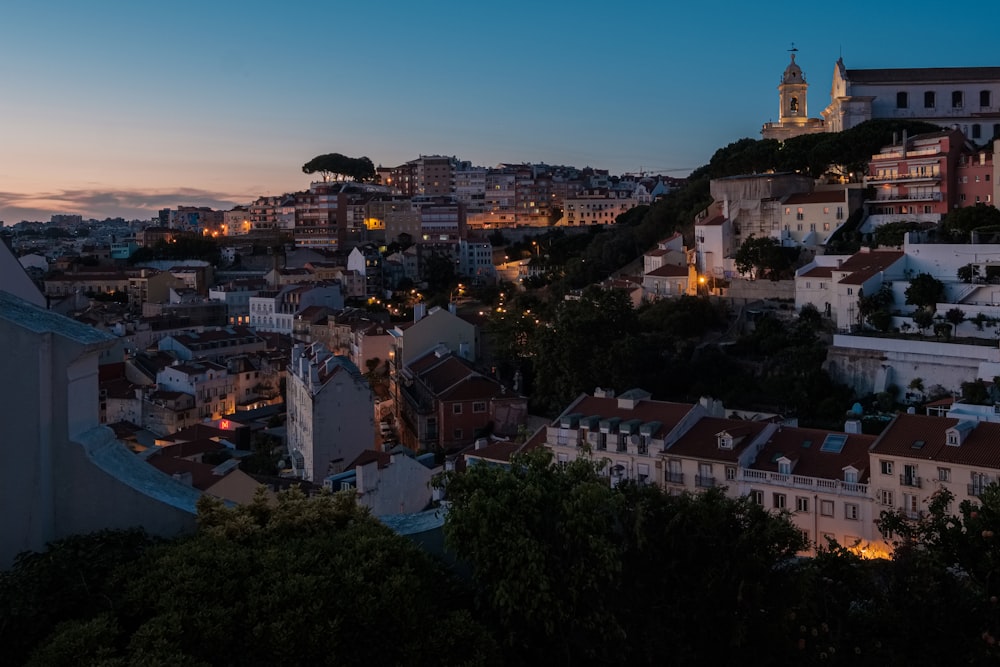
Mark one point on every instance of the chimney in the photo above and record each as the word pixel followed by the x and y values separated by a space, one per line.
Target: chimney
pixel 419 311
pixel 852 426
pixel 481 443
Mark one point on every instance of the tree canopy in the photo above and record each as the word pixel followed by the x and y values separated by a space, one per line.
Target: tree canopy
pixel 924 291
pixel 359 169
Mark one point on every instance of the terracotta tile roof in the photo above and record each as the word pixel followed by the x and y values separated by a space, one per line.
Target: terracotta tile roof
pixel 501 451
pixel 658 252
pixel 712 222
pixel 864 265
pixel 818 272
pixel 701 442
pixel 901 438
pixel 198 432
pixel 669 271
pixel 367 456
pixel 804 447
pixel 189 448
pixel 477 387
pixel 202 476
pixel 923 75
pixel 667 413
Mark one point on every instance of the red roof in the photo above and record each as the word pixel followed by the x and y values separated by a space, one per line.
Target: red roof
pixel 669 271
pixel 669 414
pixel 818 272
pixel 864 265
pixel 701 441
pixel 925 437
pixel 803 446
pixel 712 222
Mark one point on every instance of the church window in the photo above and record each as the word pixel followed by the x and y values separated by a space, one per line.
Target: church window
pixel 929 99
pixel 902 100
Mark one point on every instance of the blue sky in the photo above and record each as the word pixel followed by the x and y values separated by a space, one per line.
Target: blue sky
pixel 122 108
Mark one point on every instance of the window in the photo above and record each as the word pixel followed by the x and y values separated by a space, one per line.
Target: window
pixel 757 496
pixel 851 511
pixel 828 538
pixel 850 291
pixel 984 98
pixel 929 99
pixel 785 467
pixel 826 226
pixel 779 501
pixel 457 434
pixel 885 498
pixel 793 104
pixel 562 457
pixel 479 407
pixel 886 467
pixel 902 100
pixel 910 477
pixel 851 476
pixel 977 131
pixel 956 99
pixel 801 504
pixel 826 507
pixel 730 473
pixel 705 475
pixel 456 409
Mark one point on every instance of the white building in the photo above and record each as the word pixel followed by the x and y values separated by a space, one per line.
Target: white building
pixel 964 98
pixel 330 412
pixel 389 483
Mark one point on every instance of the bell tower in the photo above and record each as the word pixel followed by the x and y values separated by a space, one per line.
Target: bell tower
pixel 792 94
pixel 793 115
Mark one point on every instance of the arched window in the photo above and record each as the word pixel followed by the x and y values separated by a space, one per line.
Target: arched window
pixel 793 104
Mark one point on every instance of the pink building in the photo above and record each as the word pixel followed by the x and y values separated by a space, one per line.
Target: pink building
pixel 974 181
pixel 916 178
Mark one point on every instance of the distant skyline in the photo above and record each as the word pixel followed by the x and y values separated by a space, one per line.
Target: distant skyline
pixel 120 109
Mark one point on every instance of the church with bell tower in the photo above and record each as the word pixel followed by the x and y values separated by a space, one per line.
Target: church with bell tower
pixel 793 114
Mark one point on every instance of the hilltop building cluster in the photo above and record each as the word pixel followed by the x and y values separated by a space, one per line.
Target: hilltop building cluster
pixel 271 357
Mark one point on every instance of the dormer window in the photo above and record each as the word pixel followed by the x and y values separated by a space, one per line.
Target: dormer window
pixel 851 476
pixel 725 440
pixel 784 467
pixel 953 438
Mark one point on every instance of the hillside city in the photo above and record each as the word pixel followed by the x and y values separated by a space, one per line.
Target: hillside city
pixel 803 334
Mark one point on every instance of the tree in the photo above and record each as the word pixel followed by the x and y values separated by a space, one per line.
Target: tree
pixel 761 257
pixel 923 318
pixel 288 580
pixel 574 571
pixel 955 315
pixel 335 164
pixel 958 225
pixel 924 291
pixel 967 273
pixel 874 308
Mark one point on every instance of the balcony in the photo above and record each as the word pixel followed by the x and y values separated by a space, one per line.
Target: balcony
pixel 836 486
pixel 673 477
pixel 909 480
pixel 704 482
pixel 903 178
pixel 908 196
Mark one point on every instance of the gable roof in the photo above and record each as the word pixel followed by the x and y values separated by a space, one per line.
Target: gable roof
pixel 701 440
pixel 980 448
pixel 804 447
pixel 923 74
pixel 864 265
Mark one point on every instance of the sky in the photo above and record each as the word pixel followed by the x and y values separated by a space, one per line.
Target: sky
pixel 113 108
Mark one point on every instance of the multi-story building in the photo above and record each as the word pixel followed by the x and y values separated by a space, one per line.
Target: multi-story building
pixel 330 412
pixel 275 311
pixel 599 206
pixel 212 344
pixel 809 218
pixel 975 178
pixel 475 260
pixel 444 403
pixel 822 479
pixel 236 295
pixel 962 98
pixel 388 483
pixel 915 178
pixel 208 382
pixel 916 455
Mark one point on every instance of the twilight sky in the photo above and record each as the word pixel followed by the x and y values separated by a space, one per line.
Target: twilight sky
pixel 118 107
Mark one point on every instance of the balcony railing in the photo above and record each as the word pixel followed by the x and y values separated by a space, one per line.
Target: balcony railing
pixel 703 481
pixel 910 196
pixel 673 477
pixel 798 481
pixel 909 480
